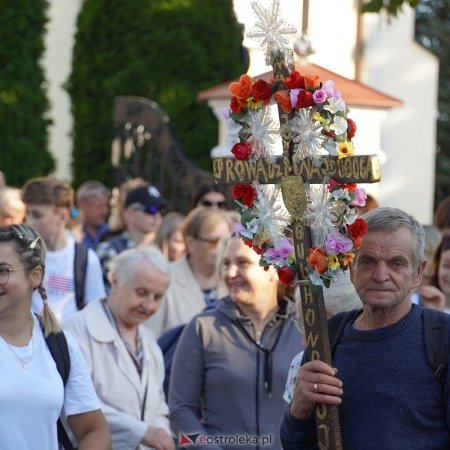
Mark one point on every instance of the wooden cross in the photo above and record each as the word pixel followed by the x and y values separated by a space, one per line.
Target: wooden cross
pixel 292 175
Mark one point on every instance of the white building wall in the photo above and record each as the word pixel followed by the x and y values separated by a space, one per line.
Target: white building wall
pixel 395 64
pixel 57 63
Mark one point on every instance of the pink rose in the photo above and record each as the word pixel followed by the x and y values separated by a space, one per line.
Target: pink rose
pixel 360 197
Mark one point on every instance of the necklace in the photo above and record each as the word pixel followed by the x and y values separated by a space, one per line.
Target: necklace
pixel 27 360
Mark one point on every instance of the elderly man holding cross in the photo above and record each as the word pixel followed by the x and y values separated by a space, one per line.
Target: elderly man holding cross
pixel 387 393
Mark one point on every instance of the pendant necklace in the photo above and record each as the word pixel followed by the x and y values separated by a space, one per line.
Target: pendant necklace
pixel 27 360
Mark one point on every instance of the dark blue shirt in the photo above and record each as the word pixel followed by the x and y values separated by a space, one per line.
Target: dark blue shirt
pixel 91 242
pixel 390 399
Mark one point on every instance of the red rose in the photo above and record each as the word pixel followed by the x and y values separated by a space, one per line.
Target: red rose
pixel 357 229
pixel 350 186
pixel 351 128
pixel 333 185
pixel 245 193
pixel 294 80
pixel 258 250
pixel 304 99
pixel 235 106
pixel 262 91
pixel 318 259
pixel 241 151
pixel 286 274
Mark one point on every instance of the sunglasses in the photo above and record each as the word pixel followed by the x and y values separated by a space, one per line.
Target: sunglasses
pixel 208 204
pixel 152 210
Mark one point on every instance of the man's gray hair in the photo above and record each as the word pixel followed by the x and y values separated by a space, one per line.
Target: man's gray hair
pixel 391 219
pixel 91 188
pixel 124 265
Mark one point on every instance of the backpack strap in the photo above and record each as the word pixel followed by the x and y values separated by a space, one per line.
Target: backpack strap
pixel 80 267
pixel 336 327
pixel 435 337
pixel 57 345
pixel 337 324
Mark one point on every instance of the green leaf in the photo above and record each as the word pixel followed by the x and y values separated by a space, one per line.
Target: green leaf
pixel 372 6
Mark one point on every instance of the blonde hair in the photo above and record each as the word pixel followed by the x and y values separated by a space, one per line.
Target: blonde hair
pixel 170 224
pixel 11 203
pixel 201 219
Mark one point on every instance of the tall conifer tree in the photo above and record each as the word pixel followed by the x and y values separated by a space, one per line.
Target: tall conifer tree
pixel 23 102
pixel 165 50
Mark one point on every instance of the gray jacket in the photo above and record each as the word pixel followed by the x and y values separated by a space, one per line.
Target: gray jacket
pixel 226 386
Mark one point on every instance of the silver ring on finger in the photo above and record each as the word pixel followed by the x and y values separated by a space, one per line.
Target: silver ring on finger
pixel 315 387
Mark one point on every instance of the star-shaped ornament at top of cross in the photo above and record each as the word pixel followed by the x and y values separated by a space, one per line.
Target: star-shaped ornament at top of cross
pixel 304 151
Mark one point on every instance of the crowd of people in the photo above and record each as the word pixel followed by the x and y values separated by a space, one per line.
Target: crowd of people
pixel 127 325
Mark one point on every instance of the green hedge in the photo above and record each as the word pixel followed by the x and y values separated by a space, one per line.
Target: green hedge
pixel 165 50
pixel 23 102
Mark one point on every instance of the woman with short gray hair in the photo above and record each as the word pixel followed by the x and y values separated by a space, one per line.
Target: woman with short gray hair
pixel 124 359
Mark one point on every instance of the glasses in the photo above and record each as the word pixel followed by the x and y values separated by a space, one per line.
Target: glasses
pixel 152 210
pixel 210 242
pixel 4 274
pixel 208 204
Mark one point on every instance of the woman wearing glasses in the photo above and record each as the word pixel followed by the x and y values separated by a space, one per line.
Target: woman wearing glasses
pixel 32 395
pixel 230 364
pixel 210 196
pixel 194 281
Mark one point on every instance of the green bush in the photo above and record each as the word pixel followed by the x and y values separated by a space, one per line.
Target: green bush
pixel 165 50
pixel 23 102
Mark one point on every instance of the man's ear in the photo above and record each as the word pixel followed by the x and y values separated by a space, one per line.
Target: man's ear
pixel 419 274
pixel 189 241
pixel 64 213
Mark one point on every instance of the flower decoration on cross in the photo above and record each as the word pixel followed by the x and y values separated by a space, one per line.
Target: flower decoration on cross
pixel 318 125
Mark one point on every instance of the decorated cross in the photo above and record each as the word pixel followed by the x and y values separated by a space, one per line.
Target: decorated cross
pixel 311 236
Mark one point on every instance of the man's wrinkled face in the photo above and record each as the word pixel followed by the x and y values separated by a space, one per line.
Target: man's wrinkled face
pixel 383 272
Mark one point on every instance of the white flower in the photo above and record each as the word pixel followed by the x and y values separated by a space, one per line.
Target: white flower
pixel 271 30
pixel 335 105
pixel 341 193
pixel 308 137
pixel 315 279
pixel 318 215
pixel 261 132
pixel 331 147
pixel 233 132
pixel 339 125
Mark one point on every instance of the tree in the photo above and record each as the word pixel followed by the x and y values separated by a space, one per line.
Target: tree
pixel 165 50
pixel 23 102
pixel 432 25
pixel 391 7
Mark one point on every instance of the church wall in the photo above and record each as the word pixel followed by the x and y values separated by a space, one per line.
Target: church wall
pixel 395 64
